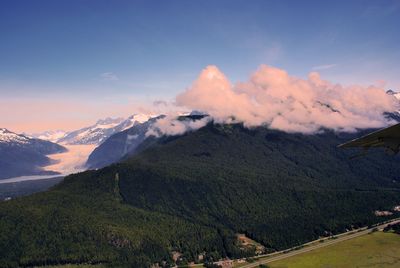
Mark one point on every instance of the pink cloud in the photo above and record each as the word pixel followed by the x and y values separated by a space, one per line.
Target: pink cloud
pixel 272 97
pixel 269 97
pixel 171 126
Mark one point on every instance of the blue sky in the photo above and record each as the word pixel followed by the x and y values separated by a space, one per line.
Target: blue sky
pixel 119 50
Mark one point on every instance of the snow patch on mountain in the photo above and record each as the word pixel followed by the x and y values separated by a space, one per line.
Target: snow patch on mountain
pixel 99 132
pixel 22 155
pixel 9 137
pixel 52 136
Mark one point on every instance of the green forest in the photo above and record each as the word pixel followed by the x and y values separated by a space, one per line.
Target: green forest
pixel 193 193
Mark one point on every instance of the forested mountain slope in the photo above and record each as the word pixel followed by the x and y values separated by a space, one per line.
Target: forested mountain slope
pixel 194 192
pixel 263 182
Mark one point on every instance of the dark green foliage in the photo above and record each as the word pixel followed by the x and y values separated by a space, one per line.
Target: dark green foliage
pixel 21 188
pixel 262 182
pixel 192 194
pixel 393 227
pixel 81 222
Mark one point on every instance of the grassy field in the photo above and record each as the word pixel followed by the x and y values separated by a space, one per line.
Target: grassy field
pixel 378 250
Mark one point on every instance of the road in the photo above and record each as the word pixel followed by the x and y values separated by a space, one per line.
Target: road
pixel 328 242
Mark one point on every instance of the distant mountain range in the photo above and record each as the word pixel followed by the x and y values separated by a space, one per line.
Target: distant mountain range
pixel 21 155
pixel 117 138
pixel 51 135
pixel 119 144
pixel 94 134
pixel 129 141
pixel 125 143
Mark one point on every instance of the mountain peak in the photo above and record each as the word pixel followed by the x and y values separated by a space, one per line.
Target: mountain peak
pixel 141 118
pixel 7 136
pixel 104 128
pixel 51 135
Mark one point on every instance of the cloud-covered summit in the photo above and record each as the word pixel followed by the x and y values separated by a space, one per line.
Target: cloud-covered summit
pixel 274 98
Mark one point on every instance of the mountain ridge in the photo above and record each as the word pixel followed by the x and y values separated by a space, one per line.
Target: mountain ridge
pixel 119 144
pixel 96 133
pixel 21 155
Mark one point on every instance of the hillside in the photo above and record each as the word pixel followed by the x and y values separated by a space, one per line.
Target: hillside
pixel 193 193
pixel 21 155
pixel 22 188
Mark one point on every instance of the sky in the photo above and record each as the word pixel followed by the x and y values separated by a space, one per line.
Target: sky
pixel 65 64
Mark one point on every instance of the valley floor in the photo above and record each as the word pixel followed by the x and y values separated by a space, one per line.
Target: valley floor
pixel 374 250
pixel 377 249
pixel 361 249
pixel 365 247
pixel 71 161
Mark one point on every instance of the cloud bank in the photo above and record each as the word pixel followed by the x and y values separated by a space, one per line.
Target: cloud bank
pixel 273 98
pixel 73 160
pixel 172 125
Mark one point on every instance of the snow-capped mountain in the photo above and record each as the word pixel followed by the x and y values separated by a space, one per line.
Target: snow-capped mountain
pixel 127 142
pixel 52 136
pixel 99 132
pixel 21 155
pixel 120 143
pixel 8 137
pixel 12 139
